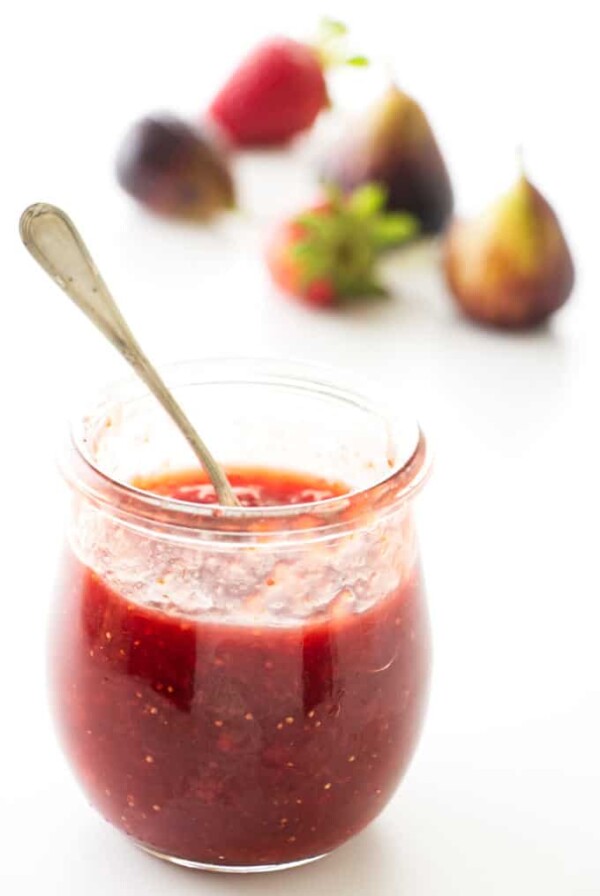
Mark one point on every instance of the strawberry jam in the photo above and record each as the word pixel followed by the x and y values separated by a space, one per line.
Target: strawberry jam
pixel 261 731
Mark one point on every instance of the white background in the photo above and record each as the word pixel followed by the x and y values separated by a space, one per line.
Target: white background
pixel 504 794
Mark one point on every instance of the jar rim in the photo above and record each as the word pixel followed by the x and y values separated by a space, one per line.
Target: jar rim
pixel 406 476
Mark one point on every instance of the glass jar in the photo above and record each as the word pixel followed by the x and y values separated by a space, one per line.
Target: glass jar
pixel 241 688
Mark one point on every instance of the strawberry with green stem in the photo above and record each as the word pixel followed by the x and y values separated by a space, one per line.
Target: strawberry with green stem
pixel 327 255
pixel 279 89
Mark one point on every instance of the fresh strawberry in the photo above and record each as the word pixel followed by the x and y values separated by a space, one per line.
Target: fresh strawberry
pixel 279 89
pixel 328 254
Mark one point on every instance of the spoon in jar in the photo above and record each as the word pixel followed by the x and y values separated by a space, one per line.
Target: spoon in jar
pixel 53 240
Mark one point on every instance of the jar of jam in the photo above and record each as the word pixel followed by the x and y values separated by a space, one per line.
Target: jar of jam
pixel 241 689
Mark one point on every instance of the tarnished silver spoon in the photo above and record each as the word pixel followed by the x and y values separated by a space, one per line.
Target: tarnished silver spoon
pixel 53 240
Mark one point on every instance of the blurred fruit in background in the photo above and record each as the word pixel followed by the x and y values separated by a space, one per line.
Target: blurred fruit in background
pixel 174 169
pixel 385 180
pixel 395 146
pixel 510 267
pixel 279 89
pixel 327 255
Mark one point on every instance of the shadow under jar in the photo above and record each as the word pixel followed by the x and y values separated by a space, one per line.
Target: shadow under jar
pixel 241 688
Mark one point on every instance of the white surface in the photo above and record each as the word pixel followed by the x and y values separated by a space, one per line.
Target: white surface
pixel 503 795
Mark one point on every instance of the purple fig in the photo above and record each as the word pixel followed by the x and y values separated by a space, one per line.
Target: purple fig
pixel 396 148
pixel 511 267
pixel 174 169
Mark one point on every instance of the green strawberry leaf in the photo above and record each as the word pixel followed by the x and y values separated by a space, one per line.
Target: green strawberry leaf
pixel 331 45
pixel 365 289
pixel 330 28
pixel 393 229
pixel 316 226
pixel 357 61
pixel 313 261
pixel 371 288
pixel 367 200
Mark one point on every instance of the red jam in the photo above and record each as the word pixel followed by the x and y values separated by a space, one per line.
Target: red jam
pixel 228 744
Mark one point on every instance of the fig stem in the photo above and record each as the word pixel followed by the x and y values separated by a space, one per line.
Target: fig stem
pixel 53 240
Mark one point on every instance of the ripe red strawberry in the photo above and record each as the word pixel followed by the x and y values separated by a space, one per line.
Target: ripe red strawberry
pixel 328 254
pixel 279 89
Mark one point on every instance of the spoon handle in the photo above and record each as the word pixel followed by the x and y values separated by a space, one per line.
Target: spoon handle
pixel 53 240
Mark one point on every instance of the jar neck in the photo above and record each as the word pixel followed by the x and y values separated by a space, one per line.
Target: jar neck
pixel 396 465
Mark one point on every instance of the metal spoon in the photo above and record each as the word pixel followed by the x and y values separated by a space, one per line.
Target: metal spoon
pixel 53 240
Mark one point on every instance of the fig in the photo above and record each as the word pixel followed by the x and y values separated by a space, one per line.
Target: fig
pixel 511 267
pixel 396 148
pixel 174 169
